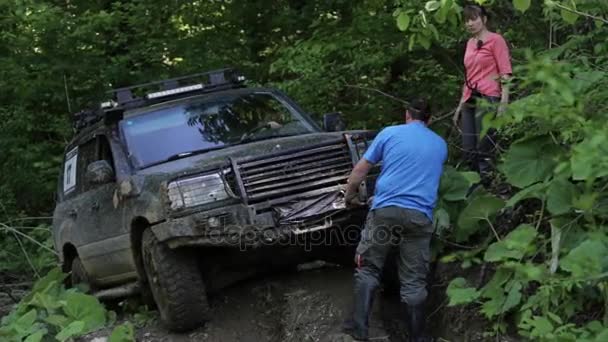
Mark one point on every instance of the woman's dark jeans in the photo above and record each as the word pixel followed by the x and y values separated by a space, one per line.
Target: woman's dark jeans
pixel 478 153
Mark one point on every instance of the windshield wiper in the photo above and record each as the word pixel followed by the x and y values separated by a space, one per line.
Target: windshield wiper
pixel 188 154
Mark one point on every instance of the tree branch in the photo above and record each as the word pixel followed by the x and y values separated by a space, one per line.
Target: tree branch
pixel 565 8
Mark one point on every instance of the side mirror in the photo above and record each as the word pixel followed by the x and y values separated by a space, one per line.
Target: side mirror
pixel 333 122
pixel 99 172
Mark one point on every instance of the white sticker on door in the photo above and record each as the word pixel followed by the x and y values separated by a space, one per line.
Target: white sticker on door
pixel 69 171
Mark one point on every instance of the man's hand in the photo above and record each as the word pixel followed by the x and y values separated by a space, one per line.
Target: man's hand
pixel 353 202
pixel 351 199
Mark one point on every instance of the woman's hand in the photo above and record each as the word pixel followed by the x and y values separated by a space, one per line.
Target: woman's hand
pixel 456 117
pixel 502 107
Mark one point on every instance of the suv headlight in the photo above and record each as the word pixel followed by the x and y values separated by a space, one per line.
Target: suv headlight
pixel 191 192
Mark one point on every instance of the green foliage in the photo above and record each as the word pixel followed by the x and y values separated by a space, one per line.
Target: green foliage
pixel 50 310
pixel 459 293
pixel 514 246
pixel 529 161
pixel 479 210
pixel 551 270
pixel 123 333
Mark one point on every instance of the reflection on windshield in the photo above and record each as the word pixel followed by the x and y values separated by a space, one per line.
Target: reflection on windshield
pixel 207 123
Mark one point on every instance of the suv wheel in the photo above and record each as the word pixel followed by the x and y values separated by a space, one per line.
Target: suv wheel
pixel 79 274
pixel 176 284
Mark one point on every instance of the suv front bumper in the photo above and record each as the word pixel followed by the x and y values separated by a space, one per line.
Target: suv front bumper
pixel 241 227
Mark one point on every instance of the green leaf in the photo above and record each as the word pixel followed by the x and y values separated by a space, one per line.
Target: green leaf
pixel 530 161
pixel 459 293
pixel 403 21
pixel 412 41
pixel 541 326
pixel 513 297
pixel 529 271
pixel 442 220
pixel 45 301
pixel 431 6
pixel 123 333
pixel 51 282
pixel 57 320
pixel 514 246
pixel 424 41
pixel 25 322
pixel 534 191
pixel 569 17
pixel 73 329
pixel 480 208
pixel 586 259
pixel 521 5
pixel 559 196
pixel 85 308
pixel 37 336
pixel 454 185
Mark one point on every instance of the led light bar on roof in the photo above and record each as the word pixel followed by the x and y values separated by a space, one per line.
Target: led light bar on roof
pixel 170 92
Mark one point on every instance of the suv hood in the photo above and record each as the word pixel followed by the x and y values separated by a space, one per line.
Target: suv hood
pixel 218 158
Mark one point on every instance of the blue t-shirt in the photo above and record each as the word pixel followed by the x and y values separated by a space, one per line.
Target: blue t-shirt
pixel 412 158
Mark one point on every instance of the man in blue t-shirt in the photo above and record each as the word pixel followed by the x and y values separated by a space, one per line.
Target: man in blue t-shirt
pixel 401 215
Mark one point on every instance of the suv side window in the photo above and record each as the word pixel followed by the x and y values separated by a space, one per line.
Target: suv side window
pixel 100 151
pixel 78 159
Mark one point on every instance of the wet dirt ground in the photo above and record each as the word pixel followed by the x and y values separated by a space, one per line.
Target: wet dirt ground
pixel 290 306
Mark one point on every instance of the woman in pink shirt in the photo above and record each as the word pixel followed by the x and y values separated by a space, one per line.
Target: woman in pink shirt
pixel 487 65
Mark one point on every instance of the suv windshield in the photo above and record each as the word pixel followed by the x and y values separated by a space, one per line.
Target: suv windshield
pixel 208 123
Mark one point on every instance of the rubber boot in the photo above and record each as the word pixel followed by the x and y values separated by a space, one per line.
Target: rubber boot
pixel 416 322
pixel 358 326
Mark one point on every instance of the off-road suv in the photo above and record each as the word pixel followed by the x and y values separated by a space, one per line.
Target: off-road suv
pixel 180 187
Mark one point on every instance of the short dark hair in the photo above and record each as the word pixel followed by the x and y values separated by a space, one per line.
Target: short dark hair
pixel 474 11
pixel 419 109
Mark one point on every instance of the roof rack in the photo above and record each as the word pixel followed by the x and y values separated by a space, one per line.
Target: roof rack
pixel 146 94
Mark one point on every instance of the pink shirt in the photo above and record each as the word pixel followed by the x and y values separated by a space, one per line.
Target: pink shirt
pixel 484 66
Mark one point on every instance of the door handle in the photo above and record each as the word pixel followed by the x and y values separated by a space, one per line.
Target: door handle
pixel 95 206
pixel 72 213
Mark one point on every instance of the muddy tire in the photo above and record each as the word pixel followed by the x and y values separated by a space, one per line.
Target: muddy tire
pixel 79 275
pixel 176 284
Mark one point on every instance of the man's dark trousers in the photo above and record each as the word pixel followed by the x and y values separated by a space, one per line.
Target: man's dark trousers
pixel 408 230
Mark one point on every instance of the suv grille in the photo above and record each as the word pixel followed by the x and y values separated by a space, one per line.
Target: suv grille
pixel 273 177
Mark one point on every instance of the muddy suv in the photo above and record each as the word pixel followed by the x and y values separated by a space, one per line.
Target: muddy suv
pixel 176 188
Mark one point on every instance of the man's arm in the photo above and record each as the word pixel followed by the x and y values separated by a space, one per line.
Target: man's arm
pixel 357 176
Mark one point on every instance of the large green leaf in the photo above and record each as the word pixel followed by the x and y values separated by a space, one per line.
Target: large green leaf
pixel 514 246
pixel 442 220
pixel 85 308
pixel 454 185
pixel 533 191
pixel 432 5
pixel 513 296
pixel 480 208
pixel 459 293
pixel 559 196
pixel 73 329
pixel 530 161
pixel 37 336
pixel 569 16
pixel 521 5
pixel 403 21
pixel 586 260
